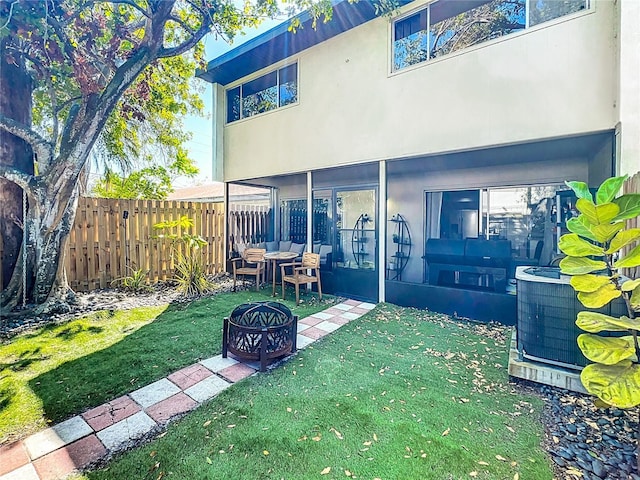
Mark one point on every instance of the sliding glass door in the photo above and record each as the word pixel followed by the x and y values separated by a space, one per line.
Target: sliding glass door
pixel 345 222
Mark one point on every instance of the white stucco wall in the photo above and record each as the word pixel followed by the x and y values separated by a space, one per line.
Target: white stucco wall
pixel 629 101
pixel 554 80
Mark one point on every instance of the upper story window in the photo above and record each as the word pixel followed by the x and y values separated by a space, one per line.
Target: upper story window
pixel 268 92
pixel 447 26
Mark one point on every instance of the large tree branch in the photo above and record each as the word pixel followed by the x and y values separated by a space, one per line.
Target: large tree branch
pixel 40 146
pixel 188 44
pixel 16 176
pixel 133 4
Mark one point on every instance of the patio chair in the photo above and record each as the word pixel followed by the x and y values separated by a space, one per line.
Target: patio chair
pixel 250 263
pixel 299 275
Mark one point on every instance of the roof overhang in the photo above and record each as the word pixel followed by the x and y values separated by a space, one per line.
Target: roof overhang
pixel 280 43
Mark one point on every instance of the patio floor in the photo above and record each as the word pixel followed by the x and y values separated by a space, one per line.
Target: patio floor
pixel 102 431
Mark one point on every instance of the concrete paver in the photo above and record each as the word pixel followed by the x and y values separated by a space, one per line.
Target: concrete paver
pixel 343 306
pixel 207 388
pixel 188 377
pixel 107 414
pixel 163 411
pixel 154 393
pixel 303 341
pixel 217 363
pixel 328 326
pixel 311 321
pixel 56 437
pixel 367 306
pixel 26 472
pixel 322 315
pixel 12 456
pixel 350 315
pixel 73 457
pixel 237 372
pixel 314 333
pixel 131 428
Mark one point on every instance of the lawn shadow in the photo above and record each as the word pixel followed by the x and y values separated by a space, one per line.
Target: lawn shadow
pixel 23 361
pixel 181 335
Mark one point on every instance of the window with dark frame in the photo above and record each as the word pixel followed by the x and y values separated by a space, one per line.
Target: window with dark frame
pixel 267 92
pixel 447 26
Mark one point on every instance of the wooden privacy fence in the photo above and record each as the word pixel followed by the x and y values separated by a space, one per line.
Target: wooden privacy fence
pixel 112 237
pixel 249 224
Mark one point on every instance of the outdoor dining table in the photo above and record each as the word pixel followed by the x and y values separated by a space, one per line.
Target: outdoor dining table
pixel 274 258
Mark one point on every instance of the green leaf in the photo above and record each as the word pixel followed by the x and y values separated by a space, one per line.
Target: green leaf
pixel 622 239
pixel 614 384
pixel 580 266
pixel 600 297
pixel 594 322
pixel 607 350
pixel 609 188
pixel 597 214
pixel 605 232
pixel 581 190
pixel 631 259
pixel 635 299
pixel 630 285
pixel 574 246
pixel 581 226
pixel 629 206
pixel 588 283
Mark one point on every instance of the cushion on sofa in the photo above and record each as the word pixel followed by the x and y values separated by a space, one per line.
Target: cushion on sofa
pixel 324 250
pixel 297 248
pixel 284 246
pixel 272 246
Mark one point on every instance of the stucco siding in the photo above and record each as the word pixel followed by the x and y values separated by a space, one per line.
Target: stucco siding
pixel 554 80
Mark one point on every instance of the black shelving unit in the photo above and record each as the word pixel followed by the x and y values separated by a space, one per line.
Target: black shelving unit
pixel 359 237
pixel 402 240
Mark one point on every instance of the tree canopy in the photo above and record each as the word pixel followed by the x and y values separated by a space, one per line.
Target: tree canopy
pixel 89 59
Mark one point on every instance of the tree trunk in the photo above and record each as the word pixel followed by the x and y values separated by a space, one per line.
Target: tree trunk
pixel 46 280
pixel 16 87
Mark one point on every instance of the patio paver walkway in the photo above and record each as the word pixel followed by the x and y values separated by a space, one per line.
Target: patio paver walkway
pixel 84 439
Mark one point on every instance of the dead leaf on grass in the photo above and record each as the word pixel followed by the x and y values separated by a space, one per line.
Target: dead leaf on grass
pixel 325 471
pixel 446 432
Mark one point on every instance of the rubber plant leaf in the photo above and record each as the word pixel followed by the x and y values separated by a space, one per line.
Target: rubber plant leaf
pixel 594 322
pixel 609 188
pixel 574 246
pixel 600 297
pixel 635 299
pixel 607 350
pixel 629 285
pixel 605 232
pixel 581 190
pixel 580 266
pixel 629 206
pixel 631 259
pixel 616 385
pixel 597 214
pixel 588 283
pixel 622 239
pixel 581 226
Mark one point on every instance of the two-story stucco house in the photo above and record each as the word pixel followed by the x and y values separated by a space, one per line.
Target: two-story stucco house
pixel 427 148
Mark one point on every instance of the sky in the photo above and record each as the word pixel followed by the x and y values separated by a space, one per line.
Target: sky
pixel 200 145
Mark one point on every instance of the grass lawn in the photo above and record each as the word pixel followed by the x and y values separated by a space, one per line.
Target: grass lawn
pixel 61 370
pixel 396 394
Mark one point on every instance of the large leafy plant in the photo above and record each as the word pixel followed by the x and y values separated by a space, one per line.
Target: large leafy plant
pixel 594 259
pixel 186 253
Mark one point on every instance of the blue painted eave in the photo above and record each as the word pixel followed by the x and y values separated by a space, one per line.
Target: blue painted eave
pixel 279 43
